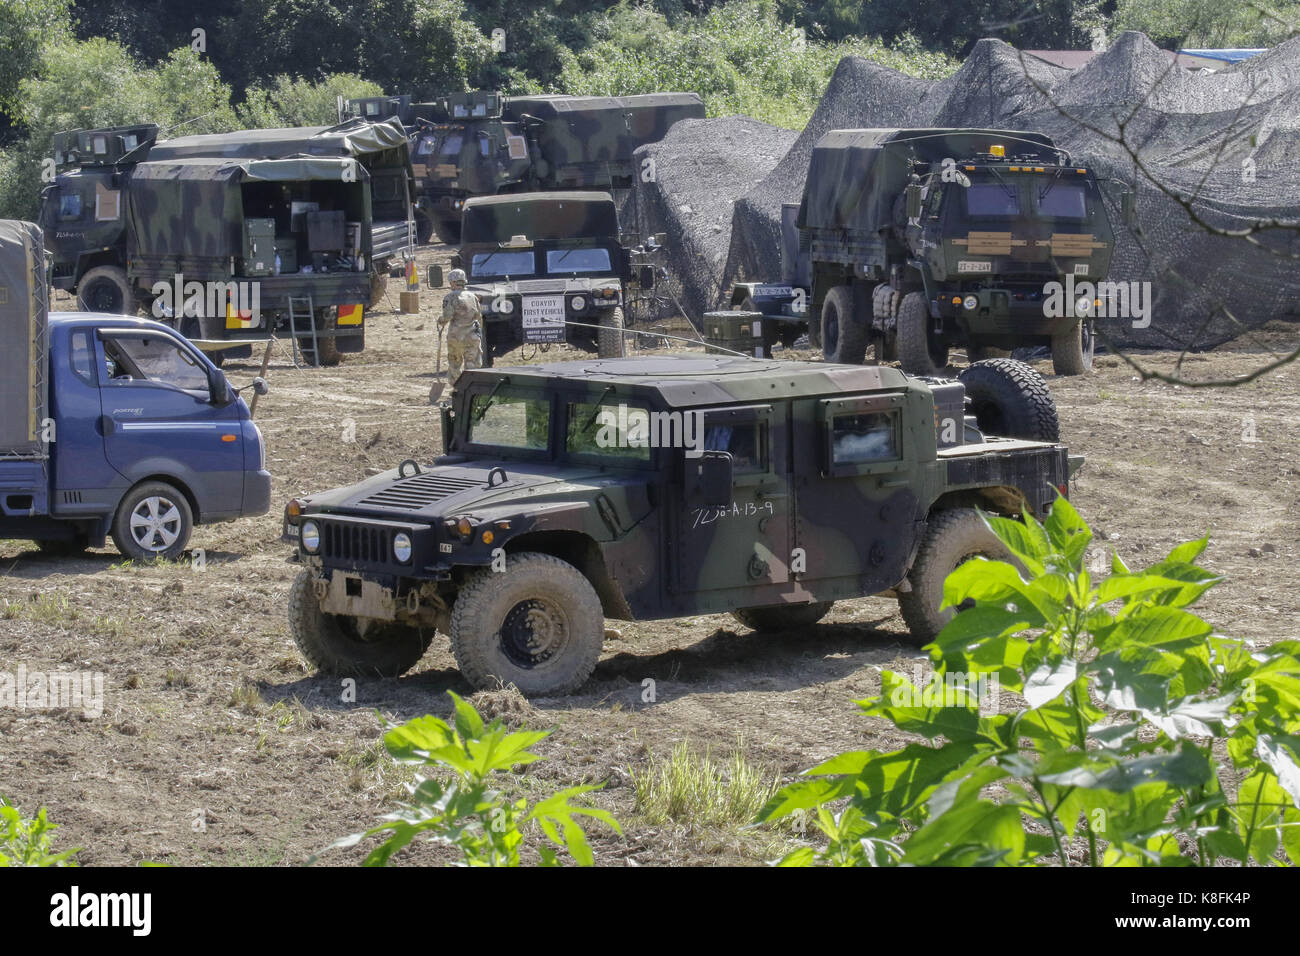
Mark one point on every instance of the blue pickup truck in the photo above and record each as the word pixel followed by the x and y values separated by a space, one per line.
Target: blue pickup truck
pixel 112 425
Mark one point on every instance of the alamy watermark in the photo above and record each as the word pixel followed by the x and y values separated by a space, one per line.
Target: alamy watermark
pixel 1101 300
pixel 180 297
pixel 624 427
pixel 950 689
pixel 53 690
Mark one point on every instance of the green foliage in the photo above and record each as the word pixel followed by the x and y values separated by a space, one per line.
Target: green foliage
pixel 290 102
pixel 28 842
pixel 1138 722
pixel 1199 24
pixel 738 56
pixel 460 808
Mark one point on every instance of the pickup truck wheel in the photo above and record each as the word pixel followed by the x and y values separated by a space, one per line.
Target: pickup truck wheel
pixel 341 644
pixel 609 343
pixel 1010 399
pixel 782 617
pixel 537 625
pixel 153 521
pixel 918 351
pixel 952 537
pixel 844 337
pixel 107 289
pixel 1072 350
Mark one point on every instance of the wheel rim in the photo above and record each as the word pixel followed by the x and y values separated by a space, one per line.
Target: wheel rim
pixel 534 631
pixel 156 523
pixel 104 296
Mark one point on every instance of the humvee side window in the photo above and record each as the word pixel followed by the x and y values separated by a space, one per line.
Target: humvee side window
pixel 69 206
pixel 746 441
pixel 510 421
pixel 991 199
pixel 609 430
pixel 864 437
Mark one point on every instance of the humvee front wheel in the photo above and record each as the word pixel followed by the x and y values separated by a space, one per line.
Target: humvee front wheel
pixel 351 646
pixel 844 338
pixel 782 617
pixel 919 352
pixel 952 537
pixel 537 625
pixel 1072 350
pixel 1010 399
pixel 609 342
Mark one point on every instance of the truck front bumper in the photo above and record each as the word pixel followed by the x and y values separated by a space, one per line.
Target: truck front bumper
pixel 257 492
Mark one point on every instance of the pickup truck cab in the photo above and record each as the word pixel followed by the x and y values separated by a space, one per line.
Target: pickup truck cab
pixel 642 489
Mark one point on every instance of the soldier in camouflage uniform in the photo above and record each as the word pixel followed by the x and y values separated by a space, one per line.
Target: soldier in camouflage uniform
pixel 462 321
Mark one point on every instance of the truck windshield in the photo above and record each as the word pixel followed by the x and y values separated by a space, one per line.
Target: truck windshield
pixel 991 199
pixel 559 261
pixel 487 264
pixel 1064 200
pixel 510 420
pixel 450 145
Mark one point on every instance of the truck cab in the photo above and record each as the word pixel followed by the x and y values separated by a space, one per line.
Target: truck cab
pixel 643 489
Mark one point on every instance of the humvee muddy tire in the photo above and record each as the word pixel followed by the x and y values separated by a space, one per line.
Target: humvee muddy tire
pixel 153 520
pixel 951 537
pixel 844 338
pixel 1072 351
pixel 1010 400
pixel 335 644
pixel 538 626
pixel 782 617
pixel 917 352
pixel 107 289
pixel 609 342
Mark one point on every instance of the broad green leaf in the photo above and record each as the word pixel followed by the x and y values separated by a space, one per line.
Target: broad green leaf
pixel 468 722
pixel 1049 681
pixel 939 708
pixel 978 823
pixel 1279 754
pixel 420 733
pixel 1189 551
pixel 1188 767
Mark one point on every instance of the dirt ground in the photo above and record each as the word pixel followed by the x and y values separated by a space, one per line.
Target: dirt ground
pixel 216 746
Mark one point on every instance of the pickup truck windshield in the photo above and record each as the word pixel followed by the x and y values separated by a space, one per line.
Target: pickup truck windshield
pixel 490 264
pixel 564 261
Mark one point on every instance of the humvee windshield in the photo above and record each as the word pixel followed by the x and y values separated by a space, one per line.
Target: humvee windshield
pixel 504 263
pixel 577 260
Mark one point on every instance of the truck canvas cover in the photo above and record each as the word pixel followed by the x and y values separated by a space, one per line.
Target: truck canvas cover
pixel 856 175
pixel 356 137
pixel 23 340
pixel 558 215
pixel 587 129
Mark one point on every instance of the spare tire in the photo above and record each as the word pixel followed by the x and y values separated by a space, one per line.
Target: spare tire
pixel 107 289
pixel 1011 400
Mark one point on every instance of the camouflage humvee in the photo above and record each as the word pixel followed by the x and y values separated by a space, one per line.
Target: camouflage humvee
pixel 642 489
pixel 910 241
pixel 547 268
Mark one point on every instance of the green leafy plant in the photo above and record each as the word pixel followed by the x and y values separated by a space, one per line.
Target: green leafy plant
pixel 28 841
pixel 1145 738
pixel 459 807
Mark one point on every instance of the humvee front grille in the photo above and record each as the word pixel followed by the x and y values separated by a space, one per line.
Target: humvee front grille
pixel 412 494
pixel 356 542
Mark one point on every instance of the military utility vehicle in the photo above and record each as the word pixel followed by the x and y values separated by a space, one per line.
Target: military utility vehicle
pixel 491 144
pixel 910 241
pixel 239 234
pixel 643 489
pixel 549 267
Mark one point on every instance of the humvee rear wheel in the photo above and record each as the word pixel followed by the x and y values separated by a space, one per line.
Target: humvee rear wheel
pixel 952 537
pixel 1010 399
pixel 609 342
pixel 538 625
pixel 919 352
pixel 351 646
pixel 107 289
pixel 844 336
pixel 782 617
pixel 1072 350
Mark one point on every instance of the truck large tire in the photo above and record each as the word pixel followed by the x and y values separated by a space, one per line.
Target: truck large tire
pixel 782 617
pixel 952 536
pixel 918 352
pixel 1072 351
pixel 844 335
pixel 153 520
pixel 1011 400
pixel 538 626
pixel 378 289
pixel 107 289
pixel 424 228
pixel 609 341
pixel 340 644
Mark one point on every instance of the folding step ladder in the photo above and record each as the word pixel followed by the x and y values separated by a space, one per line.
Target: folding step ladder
pixel 297 306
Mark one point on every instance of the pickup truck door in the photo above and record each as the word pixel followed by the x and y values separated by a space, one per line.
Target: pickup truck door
pixel 158 417
pixel 745 543
pixel 84 482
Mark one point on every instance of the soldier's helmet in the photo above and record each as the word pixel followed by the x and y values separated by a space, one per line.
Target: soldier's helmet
pixel 456 277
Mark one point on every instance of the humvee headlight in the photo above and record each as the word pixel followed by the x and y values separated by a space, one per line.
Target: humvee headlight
pixel 293 511
pixel 505 306
pixel 465 528
pixel 310 537
pixel 971 302
pixel 578 303
pixel 402 547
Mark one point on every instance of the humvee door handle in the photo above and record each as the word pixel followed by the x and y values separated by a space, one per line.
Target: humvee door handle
pixel 896 482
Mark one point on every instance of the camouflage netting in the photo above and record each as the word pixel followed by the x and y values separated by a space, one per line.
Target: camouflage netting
pixel 1192 132
pixel 700 168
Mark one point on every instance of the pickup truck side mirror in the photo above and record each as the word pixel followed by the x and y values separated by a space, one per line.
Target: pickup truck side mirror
pixel 1128 208
pixel 913 202
pixel 708 480
pixel 259 386
pixel 219 390
pixel 646 279
pixel 433 277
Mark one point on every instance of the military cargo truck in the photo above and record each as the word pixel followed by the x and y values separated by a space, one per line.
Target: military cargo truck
pixel 644 489
pixel 549 267
pixel 234 236
pixel 492 144
pixel 914 240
